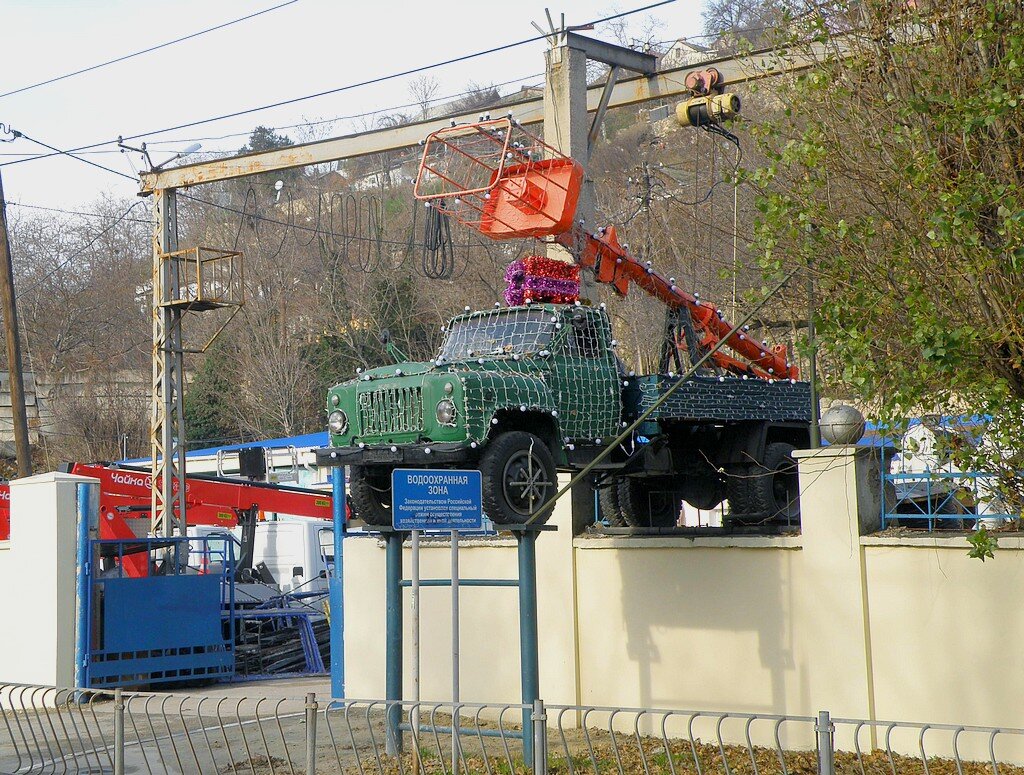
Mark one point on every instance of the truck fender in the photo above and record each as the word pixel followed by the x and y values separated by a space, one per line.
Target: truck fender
pixel 538 422
pixel 501 396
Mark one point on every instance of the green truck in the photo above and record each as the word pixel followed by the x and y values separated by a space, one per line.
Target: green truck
pixel 523 393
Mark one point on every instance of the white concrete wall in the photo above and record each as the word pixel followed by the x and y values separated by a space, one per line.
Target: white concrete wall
pixel 37 576
pixel 489 635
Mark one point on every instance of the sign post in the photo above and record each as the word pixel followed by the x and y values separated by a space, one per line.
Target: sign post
pixel 455 652
pixel 415 720
pixel 436 500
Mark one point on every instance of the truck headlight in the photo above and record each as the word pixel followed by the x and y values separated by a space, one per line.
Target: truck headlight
pixel 446 412
pixel 337 421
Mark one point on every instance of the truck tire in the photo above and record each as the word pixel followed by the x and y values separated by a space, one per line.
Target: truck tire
pixel 770 492
pixel 608 499
pixel 644 503
pixel 369 492
pixel 518 473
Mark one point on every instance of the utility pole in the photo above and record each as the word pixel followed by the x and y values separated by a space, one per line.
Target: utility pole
pixel 812 375
pixel 167 423
pixel 10 314
pixel 568 127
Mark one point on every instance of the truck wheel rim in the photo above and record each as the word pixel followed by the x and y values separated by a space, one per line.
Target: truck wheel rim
pixel 524 483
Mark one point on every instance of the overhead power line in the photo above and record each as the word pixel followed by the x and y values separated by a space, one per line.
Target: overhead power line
pixel 59 152
pixel 81 213
pixel 348 87
pixel 303 124
pixel 80 251
pixel 145 50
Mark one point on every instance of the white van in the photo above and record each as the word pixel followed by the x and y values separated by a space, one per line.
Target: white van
pixel 299 553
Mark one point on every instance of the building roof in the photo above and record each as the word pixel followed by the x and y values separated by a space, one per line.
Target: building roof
pixel 306 441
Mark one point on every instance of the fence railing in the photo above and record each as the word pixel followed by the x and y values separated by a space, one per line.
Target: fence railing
pixel 941 500
pixel 53 730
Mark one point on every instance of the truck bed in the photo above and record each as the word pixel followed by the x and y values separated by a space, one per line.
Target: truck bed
pixel 724 399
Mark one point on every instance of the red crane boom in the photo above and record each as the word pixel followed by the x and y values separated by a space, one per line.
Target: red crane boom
pixel 613 265
pixel 497 178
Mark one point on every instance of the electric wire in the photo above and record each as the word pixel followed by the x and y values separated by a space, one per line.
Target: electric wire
pixel 711 190
pixel 81 213
pixel 365 263
pixel 347 87
pixel 145 50
pixel 380 240
pixel 59 152
pixel 301 125
pixel 437 258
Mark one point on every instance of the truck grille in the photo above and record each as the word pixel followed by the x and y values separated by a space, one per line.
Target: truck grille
pixel 391 410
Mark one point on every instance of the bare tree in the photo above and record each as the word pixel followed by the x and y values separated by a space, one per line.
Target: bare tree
pixel 423 89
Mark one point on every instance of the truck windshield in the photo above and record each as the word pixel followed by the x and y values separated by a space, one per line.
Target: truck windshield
pixel 505 332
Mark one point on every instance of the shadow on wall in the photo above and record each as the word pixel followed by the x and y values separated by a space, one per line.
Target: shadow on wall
pixel 708 622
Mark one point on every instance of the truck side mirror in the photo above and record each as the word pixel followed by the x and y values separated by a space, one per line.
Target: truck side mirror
pixel 384 336
pixel 297 571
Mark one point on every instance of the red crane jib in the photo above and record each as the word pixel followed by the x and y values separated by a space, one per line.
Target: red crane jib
pixel 208 500
pixel 614 266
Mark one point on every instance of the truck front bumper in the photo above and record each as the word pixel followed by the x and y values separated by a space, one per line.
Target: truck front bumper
pixel 397 455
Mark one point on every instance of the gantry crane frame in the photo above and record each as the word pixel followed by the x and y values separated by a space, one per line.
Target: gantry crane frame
pixel 565 82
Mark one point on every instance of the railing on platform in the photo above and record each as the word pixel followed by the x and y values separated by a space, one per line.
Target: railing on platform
pixel 130 584
pixel 48 729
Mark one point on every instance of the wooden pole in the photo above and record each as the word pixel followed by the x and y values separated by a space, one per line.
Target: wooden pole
pixel 10 316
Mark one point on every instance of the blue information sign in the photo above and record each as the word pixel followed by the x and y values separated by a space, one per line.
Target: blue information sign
pixel 426 499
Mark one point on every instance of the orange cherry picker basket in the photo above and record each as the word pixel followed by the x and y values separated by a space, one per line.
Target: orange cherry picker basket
pixel 497 178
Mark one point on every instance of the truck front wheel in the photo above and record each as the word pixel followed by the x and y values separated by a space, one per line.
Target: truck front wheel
pixel 519 476
pixel 369 490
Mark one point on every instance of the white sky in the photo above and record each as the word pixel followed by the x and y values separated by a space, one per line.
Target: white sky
pixel 310 46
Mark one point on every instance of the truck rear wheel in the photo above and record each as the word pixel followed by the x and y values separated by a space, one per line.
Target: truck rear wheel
pixel 611 509
pixel 519 476
pixel 648 502
pixel 771 491
pixel 369 490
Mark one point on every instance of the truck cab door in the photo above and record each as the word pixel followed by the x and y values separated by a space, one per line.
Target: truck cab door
pixel 584 376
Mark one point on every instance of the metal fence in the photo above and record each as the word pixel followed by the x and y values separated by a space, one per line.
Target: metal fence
pixel 51 730
pixel 942 500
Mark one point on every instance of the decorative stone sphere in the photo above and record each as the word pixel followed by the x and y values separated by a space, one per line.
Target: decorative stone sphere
pixel 842 424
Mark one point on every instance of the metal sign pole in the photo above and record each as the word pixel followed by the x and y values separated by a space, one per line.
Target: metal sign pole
pixel 434 500
pixel 415 648
pixel 336 585
pixel 455 652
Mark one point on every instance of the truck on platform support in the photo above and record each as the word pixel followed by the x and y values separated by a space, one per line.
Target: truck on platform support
pixel 525 391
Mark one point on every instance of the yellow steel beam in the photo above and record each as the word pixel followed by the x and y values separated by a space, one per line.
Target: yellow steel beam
pixel 628 91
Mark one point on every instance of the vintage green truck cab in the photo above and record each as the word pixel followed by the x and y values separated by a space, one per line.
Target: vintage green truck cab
pixel 521 393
